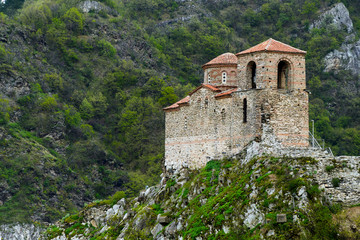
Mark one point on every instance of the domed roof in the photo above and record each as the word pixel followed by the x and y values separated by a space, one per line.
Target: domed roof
pixel 223 59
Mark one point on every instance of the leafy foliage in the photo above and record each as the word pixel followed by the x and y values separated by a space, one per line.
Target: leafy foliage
pixel 95 82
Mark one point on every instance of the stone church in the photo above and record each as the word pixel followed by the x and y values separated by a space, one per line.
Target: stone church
pixel 241 95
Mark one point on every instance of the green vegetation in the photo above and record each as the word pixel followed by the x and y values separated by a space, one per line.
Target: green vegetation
pixel 83 92
pixel 329 168
pixel 335 182
pixel 157 208
pixel 211 209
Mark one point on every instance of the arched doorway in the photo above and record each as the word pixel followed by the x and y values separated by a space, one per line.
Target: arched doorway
pixel 283 81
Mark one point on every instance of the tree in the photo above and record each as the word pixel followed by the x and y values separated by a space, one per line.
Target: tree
pixel 167 96
pixel 106 49
pixel 99 102
pixel 10 6
pixel 86 109
pixel 36 15
pixel 74 20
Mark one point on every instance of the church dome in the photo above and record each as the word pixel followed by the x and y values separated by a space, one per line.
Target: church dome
pixel 224 59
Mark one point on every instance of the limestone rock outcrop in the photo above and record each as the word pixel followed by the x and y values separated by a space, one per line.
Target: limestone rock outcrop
pixel 338 15
pixel 261 188
pixel 347 57
pixel 20 232
pixel 95 6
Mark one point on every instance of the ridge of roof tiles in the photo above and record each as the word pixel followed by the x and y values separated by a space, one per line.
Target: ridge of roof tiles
pixel 212 88
pixel 223 59
pixel 178 103
pixel 272 45
pixel 225 93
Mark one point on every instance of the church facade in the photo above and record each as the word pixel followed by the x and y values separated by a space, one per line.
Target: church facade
pixel 241 95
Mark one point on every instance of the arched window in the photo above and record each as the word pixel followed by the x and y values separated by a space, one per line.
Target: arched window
pixel 251 74
pixel 283 81
pixel 224 76
pixel 199 102
pixel 206 102
pixel 209 78
pixel 244 110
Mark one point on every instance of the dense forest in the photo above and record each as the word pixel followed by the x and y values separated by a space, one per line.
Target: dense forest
pixel 83 88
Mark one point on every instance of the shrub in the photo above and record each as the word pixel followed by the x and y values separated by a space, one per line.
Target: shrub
pixel 4 111
pixel 48 103
pixel 70 56
pixel 99 102
pixel 329 168
pixel 83 45
pixel 170 183
pixel 112 200
pixel 106 48
pixel 36 15
pixel 55 81
pixel 335 182
pixel 74 20
pixel 313 191
pixel 56 33
pixel 3 53
pixel 157 208
pixel 86 109
pixel 3 18
pixel 87 130
pixel 72 117
pixel 294 184
pixel 214 164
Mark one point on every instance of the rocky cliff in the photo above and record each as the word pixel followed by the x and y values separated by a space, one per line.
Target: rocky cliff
pixel 255 195
pixel 338 15
pixel 347 57
pixel 20 231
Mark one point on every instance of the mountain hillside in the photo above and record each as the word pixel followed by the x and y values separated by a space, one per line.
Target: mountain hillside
pixel 246 197
pixel 83 84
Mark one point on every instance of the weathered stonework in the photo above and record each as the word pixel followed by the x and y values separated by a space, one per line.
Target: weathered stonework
pixel 266 87
pixel 267 69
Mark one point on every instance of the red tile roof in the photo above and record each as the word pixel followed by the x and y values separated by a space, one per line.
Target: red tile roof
pixel 272 45
pixel 178 103
pixel 223 59
pixel 184 100
pixel 212 88
pixel 226 93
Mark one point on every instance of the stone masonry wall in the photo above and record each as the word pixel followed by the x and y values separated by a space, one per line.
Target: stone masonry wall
pixel 287 113
pixel 267 68
pixel 198 133
pixel 216 75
